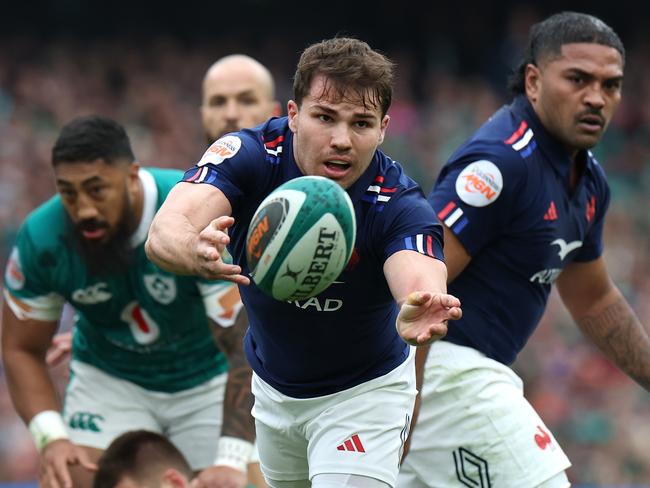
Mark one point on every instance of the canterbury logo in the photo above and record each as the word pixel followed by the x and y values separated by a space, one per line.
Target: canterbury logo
pixel 542 438
pixel 352 444
pixel 85 421
pixel 566 248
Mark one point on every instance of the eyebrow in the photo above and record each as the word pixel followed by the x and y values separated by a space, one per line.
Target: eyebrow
pixel 360 115
pixel 89 181
pixel 586 74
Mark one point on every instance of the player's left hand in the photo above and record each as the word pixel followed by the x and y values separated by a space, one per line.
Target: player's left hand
pixel 423 316
pixel 220 477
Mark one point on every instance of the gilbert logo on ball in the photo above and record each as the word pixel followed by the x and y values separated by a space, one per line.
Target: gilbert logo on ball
pixel 301 238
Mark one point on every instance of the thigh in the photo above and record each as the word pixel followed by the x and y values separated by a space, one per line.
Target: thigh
pixel 329 480
pixel 475 428
pixel 98 407
pixel 362 432
pixel 193 419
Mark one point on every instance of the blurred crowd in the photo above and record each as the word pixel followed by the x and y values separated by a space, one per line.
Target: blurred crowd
pixel 598 415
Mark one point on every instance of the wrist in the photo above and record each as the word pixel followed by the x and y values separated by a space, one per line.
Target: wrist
pixel 47 426
pixel 233 452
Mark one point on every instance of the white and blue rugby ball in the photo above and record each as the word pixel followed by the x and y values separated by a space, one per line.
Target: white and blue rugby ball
pixel 301 238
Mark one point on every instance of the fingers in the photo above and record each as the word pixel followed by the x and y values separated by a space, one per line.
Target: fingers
pixel 61 477
pixel 85 462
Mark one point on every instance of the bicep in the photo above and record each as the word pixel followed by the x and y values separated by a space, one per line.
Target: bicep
pixel 456 256
pixel 409 271
pixel 29 335
pixel 585 287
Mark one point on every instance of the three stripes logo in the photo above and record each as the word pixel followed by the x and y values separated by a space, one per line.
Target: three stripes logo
pixel 551 213
pixel 351 444
pixel 471 470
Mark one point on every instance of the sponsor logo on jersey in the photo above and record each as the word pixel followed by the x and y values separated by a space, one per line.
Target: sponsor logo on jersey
pixel 319 305
pixel 471 469
pixel 144 329
pixel 92 294
pixel 161 288
pixel 566 247
pixel 549 276
pixel 220 150
pixel 85 421
pixel 479 184
pixel 551 213
pixel 14 271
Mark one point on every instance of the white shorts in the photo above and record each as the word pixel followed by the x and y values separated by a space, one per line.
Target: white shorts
pixel 99 407
pixel 358 431
pixel 475 428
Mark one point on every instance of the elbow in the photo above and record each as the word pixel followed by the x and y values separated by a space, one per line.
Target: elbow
pixel 152 248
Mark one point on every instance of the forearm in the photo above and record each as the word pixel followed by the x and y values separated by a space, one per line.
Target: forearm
pixel 617 332
pixel 30 386
pixel 171 237
pixel 238 402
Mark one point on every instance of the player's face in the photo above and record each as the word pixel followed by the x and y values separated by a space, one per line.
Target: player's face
pixel 97 196
pixel 576 94
pixel 234 98
pixel 333 137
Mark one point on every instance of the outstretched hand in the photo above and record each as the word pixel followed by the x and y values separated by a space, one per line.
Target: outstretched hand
pixel 56 458
pixel 210 249
pixel 423 316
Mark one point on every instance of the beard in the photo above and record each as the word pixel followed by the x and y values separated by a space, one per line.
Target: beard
pixel 115 255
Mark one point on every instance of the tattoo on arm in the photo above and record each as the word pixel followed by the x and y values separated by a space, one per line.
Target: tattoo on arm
pixel 616 330
pixel 238 402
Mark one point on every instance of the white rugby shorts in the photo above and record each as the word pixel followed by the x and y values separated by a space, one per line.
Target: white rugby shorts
pixel 358 431
pixel 98 407
pixel 475 428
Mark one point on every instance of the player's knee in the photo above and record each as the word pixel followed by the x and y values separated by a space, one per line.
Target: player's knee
pixel 335 480
pixel 560 480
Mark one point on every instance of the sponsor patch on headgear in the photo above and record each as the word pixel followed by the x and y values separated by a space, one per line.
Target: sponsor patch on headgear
pixel 220 150
pixel 479 184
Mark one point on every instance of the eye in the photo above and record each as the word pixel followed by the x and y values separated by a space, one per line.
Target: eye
pixel 324 118
pixel 577 79
pixel 217 102
pixel 363 124
pixel 96 191
pixel 613 85
pixel 248 101
pixel 67 194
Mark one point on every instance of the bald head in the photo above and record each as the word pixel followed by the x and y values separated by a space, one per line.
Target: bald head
pixel 238 93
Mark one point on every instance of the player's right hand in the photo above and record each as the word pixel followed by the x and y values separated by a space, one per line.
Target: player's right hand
pixel 55 459
pixel 210 247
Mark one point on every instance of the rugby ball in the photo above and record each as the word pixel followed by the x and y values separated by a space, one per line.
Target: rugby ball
pixel 300 238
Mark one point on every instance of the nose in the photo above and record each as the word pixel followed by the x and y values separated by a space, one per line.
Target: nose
pixel 340 137
pixel 594 96
pixel 85 208
pixel 232 110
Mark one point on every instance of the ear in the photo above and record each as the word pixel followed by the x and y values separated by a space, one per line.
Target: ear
pixel 174 479
pixel 382 128
pixel 292 113
pixel 532 81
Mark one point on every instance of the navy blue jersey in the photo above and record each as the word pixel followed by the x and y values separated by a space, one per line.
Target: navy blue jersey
pixel 346 335
pixel 505 194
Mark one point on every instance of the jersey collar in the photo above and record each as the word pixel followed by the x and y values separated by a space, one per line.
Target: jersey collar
pixel 150 191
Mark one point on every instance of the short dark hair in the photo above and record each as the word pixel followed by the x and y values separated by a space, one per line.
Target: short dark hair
pixel 548 36
pixel 90 138
pixel 348 64
pixel 140 455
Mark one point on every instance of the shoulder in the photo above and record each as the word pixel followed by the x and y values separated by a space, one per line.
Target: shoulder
pixel 46 223
pixel 164 178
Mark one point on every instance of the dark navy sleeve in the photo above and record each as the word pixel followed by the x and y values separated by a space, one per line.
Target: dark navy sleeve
pixel 232 164
pixel 595 211
pixel 407 222
pixel 475 193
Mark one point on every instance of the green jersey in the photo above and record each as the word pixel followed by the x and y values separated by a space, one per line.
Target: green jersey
pixel 143 325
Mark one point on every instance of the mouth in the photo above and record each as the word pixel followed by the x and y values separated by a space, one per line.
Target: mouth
pixel 591 123
pixel 93 231
pixel 336 168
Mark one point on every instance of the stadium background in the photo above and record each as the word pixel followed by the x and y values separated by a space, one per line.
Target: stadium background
pixel 142 63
